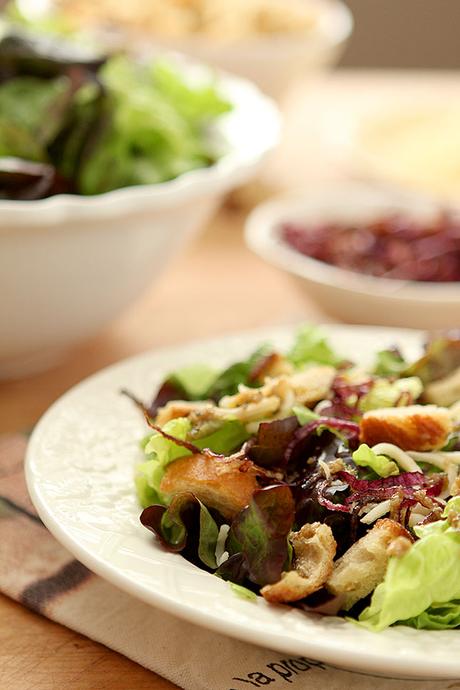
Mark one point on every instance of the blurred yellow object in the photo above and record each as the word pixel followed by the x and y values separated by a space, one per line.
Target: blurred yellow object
pixel 218 19
pixel 418 146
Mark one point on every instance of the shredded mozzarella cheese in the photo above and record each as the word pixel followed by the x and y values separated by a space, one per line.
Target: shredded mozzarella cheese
pixel 325 467
pixel 376 512
pixel 404 460
pixel 220 553
pixel 438 458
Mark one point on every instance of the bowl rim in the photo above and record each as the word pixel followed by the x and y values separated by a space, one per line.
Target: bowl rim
pixel 234 164
pixel 335 25
pixel 262 237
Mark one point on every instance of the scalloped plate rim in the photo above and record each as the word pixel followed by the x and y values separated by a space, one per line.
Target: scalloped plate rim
pixel 337 642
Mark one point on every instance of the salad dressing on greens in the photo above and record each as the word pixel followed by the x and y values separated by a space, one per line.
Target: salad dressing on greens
pixel 313 482
pixel 72 121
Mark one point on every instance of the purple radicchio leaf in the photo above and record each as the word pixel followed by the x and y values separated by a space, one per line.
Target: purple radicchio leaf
pixel 318 499
pixel 168 391
pixel 260 532
pixel 185 526
pixel 408 483
pixel 234 569
pixel 26 180
pixel 345 398
pixel 343 426
pixel 268 447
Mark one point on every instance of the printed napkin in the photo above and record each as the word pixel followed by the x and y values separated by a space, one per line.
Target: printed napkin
pixel 36 571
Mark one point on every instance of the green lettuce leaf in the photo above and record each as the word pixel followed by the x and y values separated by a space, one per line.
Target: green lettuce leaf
pixel 311 347
pixel 158 128
pixel 161 452
pixel 424 579
pixel 242 592
pixel 229 437
pixel 304 414
pixel 164 450
pixel 238 373
pixel 437 617
pixel 452 506
pixel 386 393
pixel 194 103
pixel 389 363
pixel 31 114
pixel 147 482
pixel 365 457
pixel 195 380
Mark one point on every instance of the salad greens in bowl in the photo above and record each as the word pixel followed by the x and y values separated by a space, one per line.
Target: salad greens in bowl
pixel 78 122
pixel 312 481
pixel 108 168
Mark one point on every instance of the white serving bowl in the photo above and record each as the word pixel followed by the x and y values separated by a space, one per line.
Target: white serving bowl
pixel 413 141
pixel 347 295
pixel 70 264
pixel 273 61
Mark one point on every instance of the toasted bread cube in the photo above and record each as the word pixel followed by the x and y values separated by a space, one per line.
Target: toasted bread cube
pixel 312 384
pixel 416 427
pixel 226 484
pixel 358 572
pixel 314 549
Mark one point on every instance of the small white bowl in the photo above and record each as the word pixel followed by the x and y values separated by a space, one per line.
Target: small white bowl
pixel 70 264
pixel 347 295
pixel 273 61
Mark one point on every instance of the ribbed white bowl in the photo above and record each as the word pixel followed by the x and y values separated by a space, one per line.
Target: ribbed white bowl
pixel 347 295
pixel 70 264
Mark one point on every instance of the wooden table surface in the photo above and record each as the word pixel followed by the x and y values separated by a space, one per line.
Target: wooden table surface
pixel 217 286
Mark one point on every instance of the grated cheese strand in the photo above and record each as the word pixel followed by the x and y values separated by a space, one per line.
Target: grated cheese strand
pixel 403 459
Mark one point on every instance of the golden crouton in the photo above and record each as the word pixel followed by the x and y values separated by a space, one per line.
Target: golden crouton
pixel 358 572
pixel 416 427
pixel 314 551
pixel 226 484
pixel 312 384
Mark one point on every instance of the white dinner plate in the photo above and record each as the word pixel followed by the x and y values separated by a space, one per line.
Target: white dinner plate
pixel 79 470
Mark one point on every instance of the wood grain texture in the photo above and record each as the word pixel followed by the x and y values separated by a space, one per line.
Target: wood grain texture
pixel 37 653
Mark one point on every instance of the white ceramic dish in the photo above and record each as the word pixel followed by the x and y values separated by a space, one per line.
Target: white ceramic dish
pixel 273 62
pixel 79 472
pixel 346 295
pixel 413 142
pixel 70 264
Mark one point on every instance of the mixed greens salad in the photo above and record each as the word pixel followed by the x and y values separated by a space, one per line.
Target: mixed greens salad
pixel 75 121
pixel 314 482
